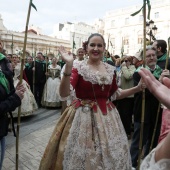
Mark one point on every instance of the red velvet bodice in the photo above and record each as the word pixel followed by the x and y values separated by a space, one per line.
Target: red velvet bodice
pixel 84 90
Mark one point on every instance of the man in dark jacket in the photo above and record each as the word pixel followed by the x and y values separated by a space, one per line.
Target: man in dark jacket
pixel 151 108
pixel 40 77
pixel 161 51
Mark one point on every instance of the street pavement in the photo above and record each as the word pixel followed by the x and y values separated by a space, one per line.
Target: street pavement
pixel 34 136
pixel 31 144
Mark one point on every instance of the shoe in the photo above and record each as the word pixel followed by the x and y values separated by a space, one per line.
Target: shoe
pixel 133 168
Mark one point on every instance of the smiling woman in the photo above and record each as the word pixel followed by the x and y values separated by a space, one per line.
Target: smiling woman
pixel 89 134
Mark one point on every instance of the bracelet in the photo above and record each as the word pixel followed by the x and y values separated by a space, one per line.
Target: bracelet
pixel 65 74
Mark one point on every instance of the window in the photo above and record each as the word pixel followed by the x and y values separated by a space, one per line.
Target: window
pixel 112 23
pixel 126 21
pixel 156 14
pixel 140 39
pixel 126 41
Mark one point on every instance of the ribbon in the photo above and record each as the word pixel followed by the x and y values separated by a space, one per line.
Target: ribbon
pixel 149 9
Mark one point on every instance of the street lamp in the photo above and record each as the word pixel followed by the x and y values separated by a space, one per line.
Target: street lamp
pixel 151 30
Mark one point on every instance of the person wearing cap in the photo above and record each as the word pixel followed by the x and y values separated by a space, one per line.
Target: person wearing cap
pixel 137 58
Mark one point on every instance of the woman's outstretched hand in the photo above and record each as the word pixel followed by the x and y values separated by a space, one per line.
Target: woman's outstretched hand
pixel 66 56
pixel 160 91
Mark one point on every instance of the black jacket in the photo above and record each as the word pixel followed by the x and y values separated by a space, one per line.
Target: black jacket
pixel 8 102
pixel 151 104
pixel 40 70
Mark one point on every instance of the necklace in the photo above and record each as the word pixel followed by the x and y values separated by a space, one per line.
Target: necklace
pixel 103 79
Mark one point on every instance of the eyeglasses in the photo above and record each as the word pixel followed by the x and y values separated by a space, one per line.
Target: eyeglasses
pixel 126 60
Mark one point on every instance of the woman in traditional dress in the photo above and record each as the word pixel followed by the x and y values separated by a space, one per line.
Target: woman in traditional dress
pixel 29 104
pixel 89 134
pixel 51 89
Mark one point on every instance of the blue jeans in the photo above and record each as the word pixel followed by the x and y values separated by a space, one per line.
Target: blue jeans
pixel 2 151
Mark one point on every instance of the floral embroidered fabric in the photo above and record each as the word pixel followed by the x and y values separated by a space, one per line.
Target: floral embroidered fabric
pixel 87 139
pixel 150 164
pixel 95 77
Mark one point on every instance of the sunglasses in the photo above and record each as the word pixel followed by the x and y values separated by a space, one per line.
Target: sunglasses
pixel 126 60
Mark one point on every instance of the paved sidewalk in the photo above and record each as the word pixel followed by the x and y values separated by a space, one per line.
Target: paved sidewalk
pixel 31 149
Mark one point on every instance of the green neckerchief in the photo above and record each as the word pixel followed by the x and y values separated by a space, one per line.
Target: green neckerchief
pixel 43 62
pixel 28 65
pixel 105 59
pixel 1 56
pixel 162 58
pixel 4 82
pixel 39 61
pixel 157 72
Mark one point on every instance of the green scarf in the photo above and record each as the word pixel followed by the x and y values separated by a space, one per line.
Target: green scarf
pixel 162 58
pixel 39 61
pixel 157 72
pixel 28 65
pixel 4 82
pixel 1 56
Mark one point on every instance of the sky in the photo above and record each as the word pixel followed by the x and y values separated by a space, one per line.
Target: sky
pixel 51 12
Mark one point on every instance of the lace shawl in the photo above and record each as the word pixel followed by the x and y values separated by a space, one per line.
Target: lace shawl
pixel 93 77
pixel 150 164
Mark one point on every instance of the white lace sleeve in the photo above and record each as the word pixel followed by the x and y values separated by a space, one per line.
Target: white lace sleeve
pixel 69 98
pixel 150 164
pixel 116 94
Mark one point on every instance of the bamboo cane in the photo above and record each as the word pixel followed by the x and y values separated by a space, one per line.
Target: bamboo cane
pixel 34 75
pixel 46 81
pixel 155 127
pixel 12 46
pixel 167 57
pixel 73 43
pixel 143 92
pixel 122 49
pixel 158 112
pixel 107 47
pixel 21 77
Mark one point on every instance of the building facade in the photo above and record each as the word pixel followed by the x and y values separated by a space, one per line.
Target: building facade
pixel 121 31
pixel 126 31
pixel 36 42
pixel 77 32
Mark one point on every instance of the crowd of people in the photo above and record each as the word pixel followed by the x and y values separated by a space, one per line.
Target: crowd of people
pixel 101 97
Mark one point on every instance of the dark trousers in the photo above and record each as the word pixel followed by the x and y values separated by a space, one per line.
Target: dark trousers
pixel 39 87
pixel 125 108
pixel 147 138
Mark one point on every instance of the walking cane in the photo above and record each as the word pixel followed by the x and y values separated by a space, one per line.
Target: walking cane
pixel 12 49
pixel 122 48
pixel 143 91
pixel 46 81
pixel 158 112
pixel 107 47
pixel 21 77
pixel 34 76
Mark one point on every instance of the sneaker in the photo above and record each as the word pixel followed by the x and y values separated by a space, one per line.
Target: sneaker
pixel 133 168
